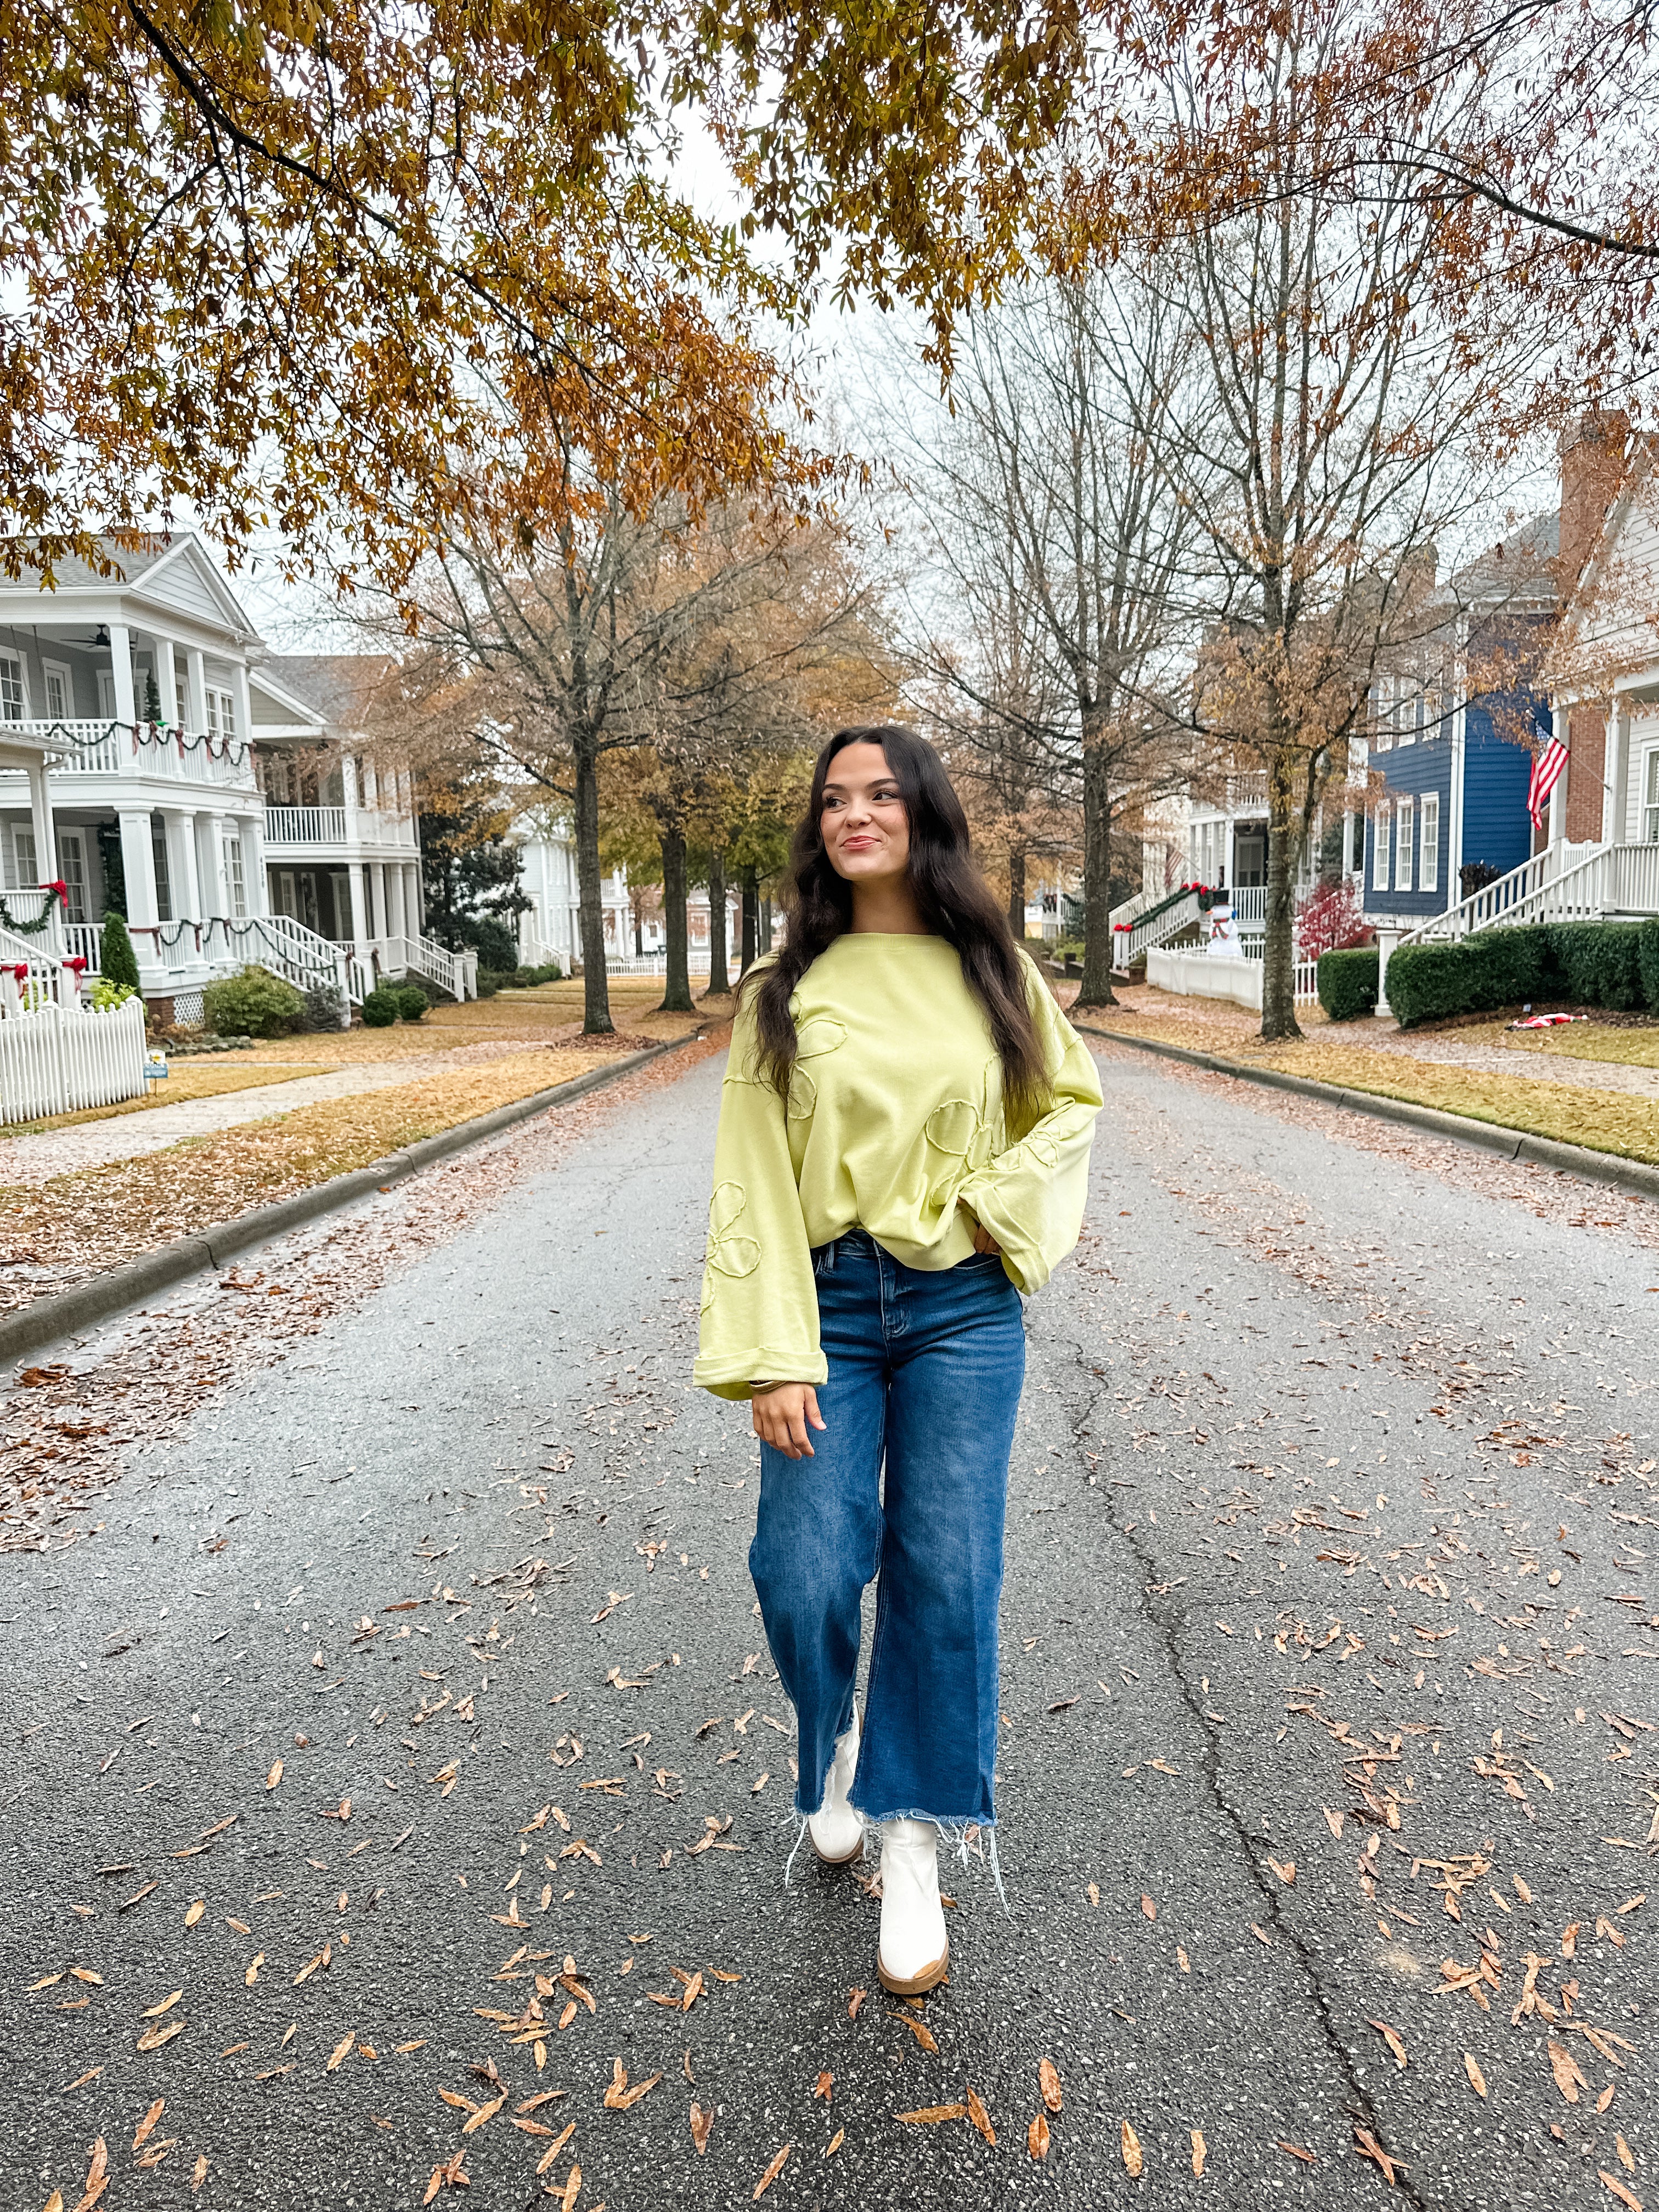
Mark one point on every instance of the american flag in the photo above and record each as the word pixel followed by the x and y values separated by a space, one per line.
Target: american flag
pixel 1545 775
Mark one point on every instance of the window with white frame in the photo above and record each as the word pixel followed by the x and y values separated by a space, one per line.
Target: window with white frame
pixel 1380 853
pixel 158 846
pixel 20 871
pixel 235 884
pixel 1650 799
pixel 1428 853
pixel 1404 809
pixel 59 685
pixel 220 712
pixel 72 866
pixel 13 698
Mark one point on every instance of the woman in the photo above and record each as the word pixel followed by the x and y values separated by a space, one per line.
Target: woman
pixel 903 1150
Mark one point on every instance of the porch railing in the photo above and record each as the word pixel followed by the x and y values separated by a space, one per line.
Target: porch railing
pixel 111 748
pixel 45 980
pixel 305 825
pixel 1560 883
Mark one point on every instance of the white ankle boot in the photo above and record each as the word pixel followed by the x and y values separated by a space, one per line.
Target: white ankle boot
pixel 914 1953
pixel 836 1831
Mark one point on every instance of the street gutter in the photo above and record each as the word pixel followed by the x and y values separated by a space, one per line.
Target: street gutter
pixel 67 1311
pixel 1638 1178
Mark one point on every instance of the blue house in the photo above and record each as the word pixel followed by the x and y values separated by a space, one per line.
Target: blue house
pixel 1454 767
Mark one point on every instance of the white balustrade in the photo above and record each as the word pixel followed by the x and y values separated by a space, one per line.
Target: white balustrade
pixel 140 749
pixel 45 980
pixel 305 825
pixel 1560 883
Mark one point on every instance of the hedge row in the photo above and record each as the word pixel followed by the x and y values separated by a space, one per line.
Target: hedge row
pixel 1597 964
pixel 1347 983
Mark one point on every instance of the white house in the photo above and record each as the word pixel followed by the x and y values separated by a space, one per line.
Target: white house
pixel 551 929
pixel 170 748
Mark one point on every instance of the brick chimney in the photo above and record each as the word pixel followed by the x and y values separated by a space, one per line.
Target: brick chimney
pixel 1592 451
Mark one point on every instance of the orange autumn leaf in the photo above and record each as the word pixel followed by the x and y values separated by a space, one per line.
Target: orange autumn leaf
pixel 1148 1906
pixel 825 2086
pixel 918 2028
pixel 1564 2067
pixel 771 2173
pixel 702 2120
pixel 1130 2142
pixel 1477 2079
pixel 1391 2036
pixel 854 1999
pixel 1200 2152
pixel 1037 2137
pixel 1616 2188
pixel 979 2117
pixel 928 2115
pixel 147 2126
pixel 1049 2081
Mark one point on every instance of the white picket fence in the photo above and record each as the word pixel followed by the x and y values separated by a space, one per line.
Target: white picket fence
pixel 1204 975
pixel 56 1060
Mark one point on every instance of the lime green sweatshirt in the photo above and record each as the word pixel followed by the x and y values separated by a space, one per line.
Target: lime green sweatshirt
pixel 894 1112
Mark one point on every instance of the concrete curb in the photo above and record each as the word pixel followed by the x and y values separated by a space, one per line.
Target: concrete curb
pixel 106 1294
pixel 1635 1176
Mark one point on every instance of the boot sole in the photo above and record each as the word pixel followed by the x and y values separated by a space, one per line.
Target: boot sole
pixel 914 1985
pixel 846 1858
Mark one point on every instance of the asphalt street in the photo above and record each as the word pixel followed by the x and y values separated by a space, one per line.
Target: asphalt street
pixel 401 1765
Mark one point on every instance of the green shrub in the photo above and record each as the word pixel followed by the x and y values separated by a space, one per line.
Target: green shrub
pixel 1512 966
pixel 412 1001
pixel 527 979
pixel 1429 980
pixel 1600 961
pixel 117 961
pixel 493 941
pixel 256 1003
pixel 380 1009
pixel 104 994
pixel 1347 983
pixel 491 979
pixel 1647 961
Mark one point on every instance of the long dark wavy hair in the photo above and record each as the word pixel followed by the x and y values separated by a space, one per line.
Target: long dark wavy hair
pixel 955 903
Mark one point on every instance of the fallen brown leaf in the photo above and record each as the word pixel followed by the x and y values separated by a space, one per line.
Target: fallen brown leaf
pixel 1148 1906
pixel 154 2037
pixel 927 2116
pixel 771 2173
pixel 1049 2082
pixel 1333 1822
pixel 834 2143
pixel 1287 1873
pixel 1477 2079
pixel 1564 2067
pixel 147 2126
pixel 1200 2152
pixel 1133 2161
pixel 272 1780
pixel 198 2172
pixel 979 2117
pixel 340 2052
pixel 1037 2137
pixel 702 2119
pixel 1297 2151
pixel 1615 2187
pixel 826 2083
pixel 1391 2036
pixel 854 1999
pixel 918 2028
pixel 97 2176
pixel 484 2113
pixel 1368 2147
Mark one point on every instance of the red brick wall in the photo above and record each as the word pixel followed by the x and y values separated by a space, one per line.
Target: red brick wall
pixel 1583 779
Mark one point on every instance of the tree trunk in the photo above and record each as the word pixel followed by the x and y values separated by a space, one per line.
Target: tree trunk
pixel 1278 951
pixel 638 931
pixel 676 995
pixel 750 919
pixel 1017 894
pixel 766 926
pixel 719 982
pixel 590 893
pixel 1096 988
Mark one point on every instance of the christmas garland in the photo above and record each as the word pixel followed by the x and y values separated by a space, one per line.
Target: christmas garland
pixel 37 927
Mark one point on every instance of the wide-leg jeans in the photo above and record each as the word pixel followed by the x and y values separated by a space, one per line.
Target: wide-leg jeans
pixel 924 1376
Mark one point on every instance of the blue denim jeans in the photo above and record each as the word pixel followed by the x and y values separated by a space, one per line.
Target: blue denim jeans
pixel 925 1374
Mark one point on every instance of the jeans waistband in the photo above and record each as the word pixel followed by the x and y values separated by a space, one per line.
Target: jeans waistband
pixel 854 1244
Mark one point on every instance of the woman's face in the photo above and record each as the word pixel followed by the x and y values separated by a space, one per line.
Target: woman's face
pixel 866 831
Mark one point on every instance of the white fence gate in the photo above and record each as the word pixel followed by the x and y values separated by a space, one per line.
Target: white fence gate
pixel 58 1061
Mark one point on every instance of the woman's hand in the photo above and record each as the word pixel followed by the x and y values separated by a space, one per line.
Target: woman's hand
pixel 782 1416
pixel 983 1240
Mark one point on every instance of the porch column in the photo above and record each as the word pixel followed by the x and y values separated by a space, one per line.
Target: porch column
pixel 139 864
pixel 45 845
pixel 412 876
pixel 195 701
pixel 120 653
pixel 216 889
pixel 182 854
pixel 167 679
pixel 255 889
pixel 376 876
pixel 355 884
pixel 1616 774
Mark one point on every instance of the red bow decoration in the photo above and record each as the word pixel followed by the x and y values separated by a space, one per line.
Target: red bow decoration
pixel 58 889
pixel 77 963
pixel 21 971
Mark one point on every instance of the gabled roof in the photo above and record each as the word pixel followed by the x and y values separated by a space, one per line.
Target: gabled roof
pixel 171 571
pixel 335 685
